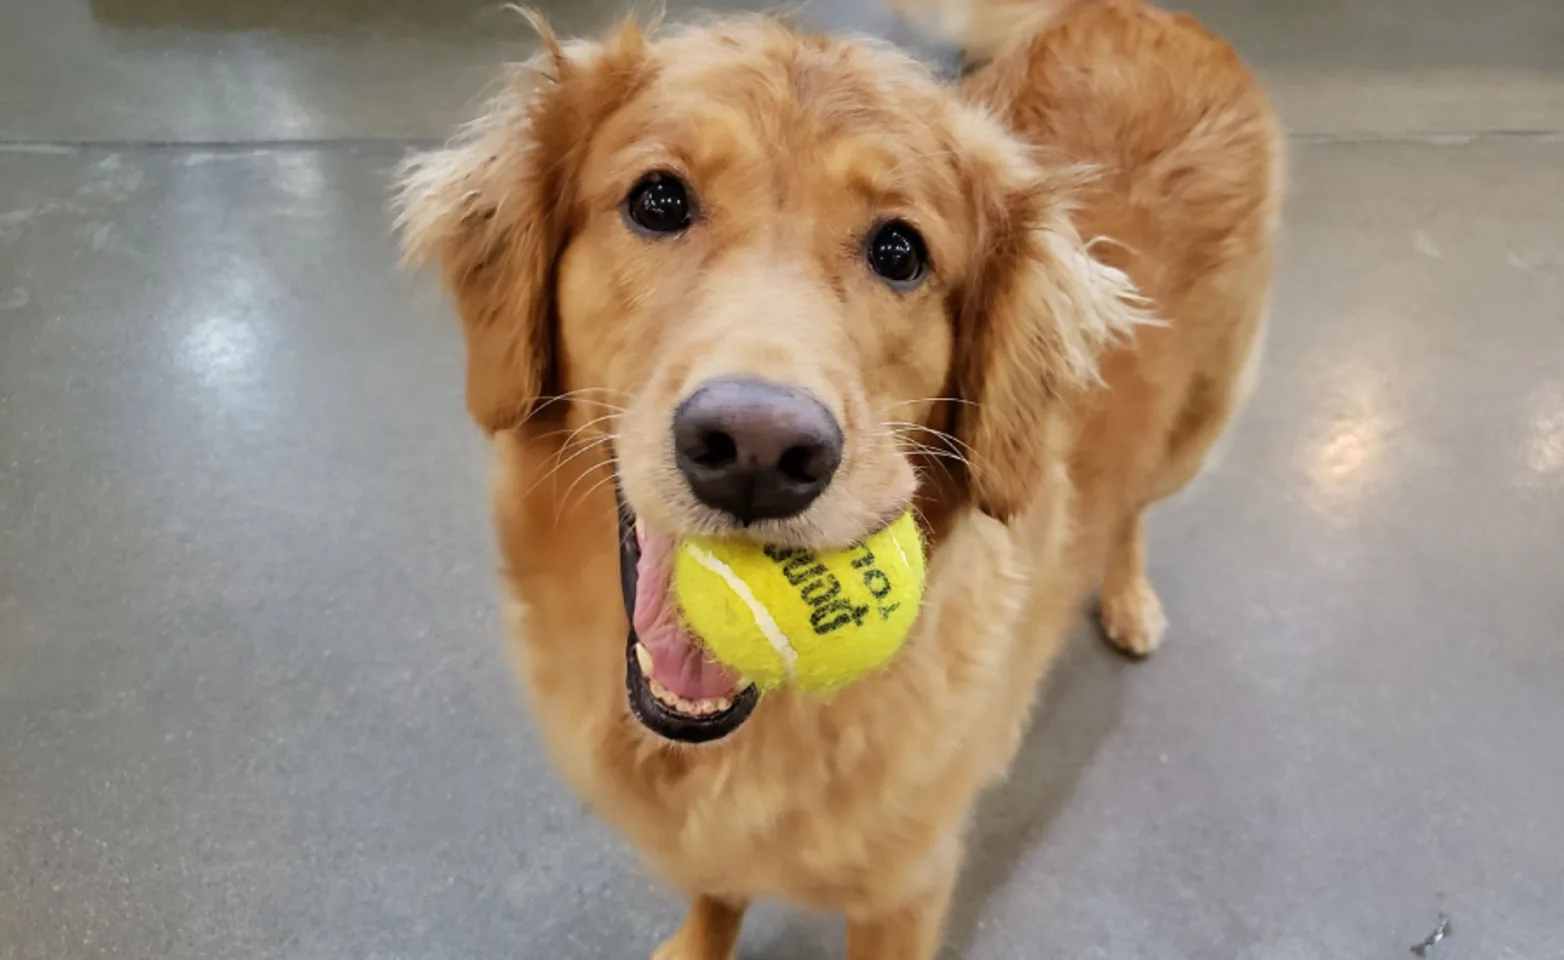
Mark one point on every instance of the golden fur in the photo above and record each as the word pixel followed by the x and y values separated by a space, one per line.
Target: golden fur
pixel 1022 397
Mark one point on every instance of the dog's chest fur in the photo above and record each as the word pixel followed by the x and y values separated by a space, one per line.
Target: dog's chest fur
pixel 820 803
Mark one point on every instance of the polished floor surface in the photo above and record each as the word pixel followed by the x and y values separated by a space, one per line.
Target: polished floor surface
pixel 252 699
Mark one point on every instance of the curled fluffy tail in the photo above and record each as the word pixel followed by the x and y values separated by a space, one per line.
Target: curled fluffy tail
pixel 980 27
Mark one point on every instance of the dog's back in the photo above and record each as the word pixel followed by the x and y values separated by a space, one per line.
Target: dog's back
pixel 1182 173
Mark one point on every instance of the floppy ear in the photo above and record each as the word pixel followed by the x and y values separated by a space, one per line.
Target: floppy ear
pixel 1039 311
pixel 494 209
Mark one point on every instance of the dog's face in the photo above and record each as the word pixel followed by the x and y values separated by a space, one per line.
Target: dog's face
pixel 770 272
pixel 759 273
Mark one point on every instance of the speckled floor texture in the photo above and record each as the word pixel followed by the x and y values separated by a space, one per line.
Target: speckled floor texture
pixel 253 699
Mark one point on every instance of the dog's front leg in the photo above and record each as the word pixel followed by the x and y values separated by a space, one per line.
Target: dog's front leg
pixel 710 931
pixel 910 932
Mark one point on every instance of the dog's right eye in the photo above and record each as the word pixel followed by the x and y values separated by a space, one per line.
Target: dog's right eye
pixel 659 204
pixel 896 252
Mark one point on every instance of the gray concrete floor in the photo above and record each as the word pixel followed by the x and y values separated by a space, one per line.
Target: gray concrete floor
pixel 252 697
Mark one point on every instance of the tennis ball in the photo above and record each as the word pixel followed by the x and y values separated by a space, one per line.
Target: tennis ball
pixel 811 619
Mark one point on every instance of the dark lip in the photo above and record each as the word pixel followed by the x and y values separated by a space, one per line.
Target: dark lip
pixel 646 708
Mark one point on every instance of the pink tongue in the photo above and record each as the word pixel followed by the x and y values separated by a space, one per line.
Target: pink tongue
pixel 678 662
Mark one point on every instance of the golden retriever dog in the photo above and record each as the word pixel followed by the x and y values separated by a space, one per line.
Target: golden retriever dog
pixel 741 280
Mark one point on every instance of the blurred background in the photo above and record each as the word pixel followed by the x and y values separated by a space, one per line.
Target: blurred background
pixel 253 698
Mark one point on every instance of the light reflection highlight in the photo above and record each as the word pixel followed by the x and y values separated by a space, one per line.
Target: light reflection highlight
pixel 1346 457
pixel 1545 445
pixel 220 349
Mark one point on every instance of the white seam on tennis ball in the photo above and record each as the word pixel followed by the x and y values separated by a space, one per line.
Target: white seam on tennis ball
pixel 768 626
pixel 907 564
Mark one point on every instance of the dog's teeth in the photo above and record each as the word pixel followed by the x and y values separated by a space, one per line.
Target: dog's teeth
pixel 705 707
pixel 672 700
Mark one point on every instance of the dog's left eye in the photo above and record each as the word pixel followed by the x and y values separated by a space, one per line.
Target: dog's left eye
pixel 896 252
pixel 659 204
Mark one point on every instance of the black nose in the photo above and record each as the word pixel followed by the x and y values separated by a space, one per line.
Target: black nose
pixel 756 450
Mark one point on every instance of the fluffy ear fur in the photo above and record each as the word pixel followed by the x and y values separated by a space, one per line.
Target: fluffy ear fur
pixel 494 209
pixel 1031 326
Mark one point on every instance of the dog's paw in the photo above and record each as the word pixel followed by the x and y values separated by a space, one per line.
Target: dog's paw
pixel 677 947
pixel 709 932
pixel 1132 619
pixel 671 950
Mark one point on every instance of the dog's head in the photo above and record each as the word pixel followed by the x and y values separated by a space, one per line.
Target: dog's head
pixel 770 271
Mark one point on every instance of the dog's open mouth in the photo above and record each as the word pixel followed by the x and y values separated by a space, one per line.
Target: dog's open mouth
pixel 674 686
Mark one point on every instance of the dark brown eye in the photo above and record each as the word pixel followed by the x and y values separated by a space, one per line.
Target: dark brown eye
pixel 896 252
pixel 659 204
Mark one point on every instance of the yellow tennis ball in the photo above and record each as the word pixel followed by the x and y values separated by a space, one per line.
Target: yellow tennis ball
pixel 812 619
